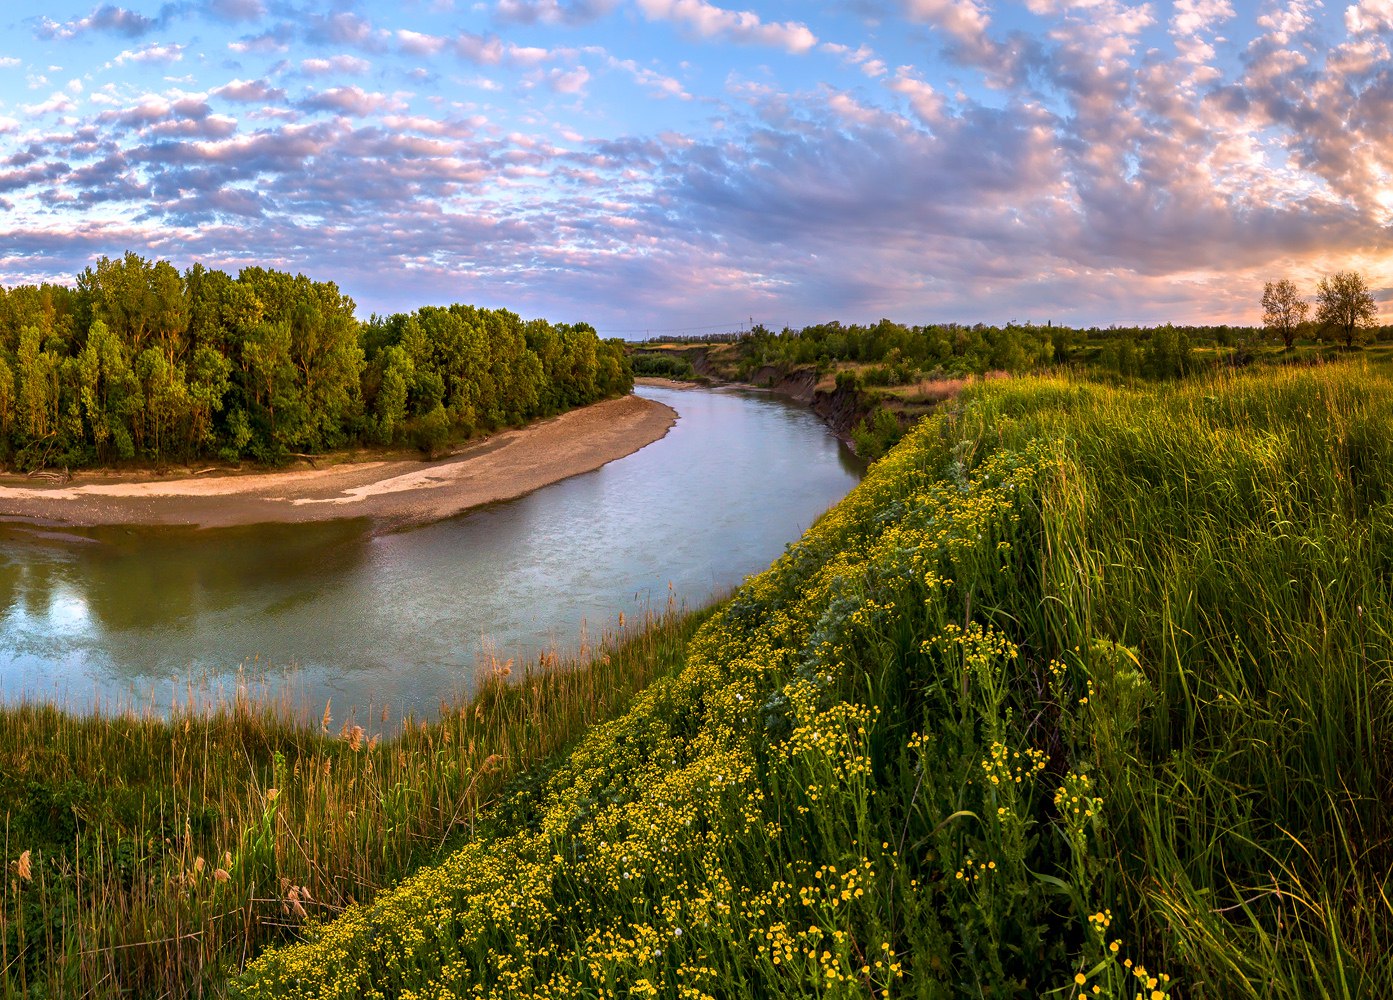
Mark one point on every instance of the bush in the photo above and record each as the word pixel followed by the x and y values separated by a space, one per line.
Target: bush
pixel 433 431
pixel 652 365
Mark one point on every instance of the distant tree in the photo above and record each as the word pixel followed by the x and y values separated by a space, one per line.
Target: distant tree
pixel 1283 310
pixel 1168 353
pixel 1344 303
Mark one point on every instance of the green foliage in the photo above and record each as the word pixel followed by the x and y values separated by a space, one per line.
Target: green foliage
pixel 432 431
pixel 140 361
pixel 655 365
pixel 876 434
pixel 1080 693
pixel 1345 306
pixel 149 857
pixel 891 354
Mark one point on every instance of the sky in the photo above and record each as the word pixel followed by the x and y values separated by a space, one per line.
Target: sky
pixel 661 166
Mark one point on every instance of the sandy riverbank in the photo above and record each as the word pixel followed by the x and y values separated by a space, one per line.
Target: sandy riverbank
pixel 505 465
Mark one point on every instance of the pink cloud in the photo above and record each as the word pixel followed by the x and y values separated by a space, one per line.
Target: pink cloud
pixel 709 21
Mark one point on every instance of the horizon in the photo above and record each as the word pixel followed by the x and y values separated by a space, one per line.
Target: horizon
pixel 649 165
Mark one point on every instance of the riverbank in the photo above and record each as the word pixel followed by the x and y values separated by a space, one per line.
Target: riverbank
pixel 840 407
pixel 1154 762
pixel 153 857
pixel 503 466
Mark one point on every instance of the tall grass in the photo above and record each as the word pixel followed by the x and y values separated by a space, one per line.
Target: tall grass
pixel 154 857
pixel 1085 691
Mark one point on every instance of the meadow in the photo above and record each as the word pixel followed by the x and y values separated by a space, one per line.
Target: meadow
pixel 152 855
pixel 1083 692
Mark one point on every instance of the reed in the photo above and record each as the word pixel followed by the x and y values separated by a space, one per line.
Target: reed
pixel 154 855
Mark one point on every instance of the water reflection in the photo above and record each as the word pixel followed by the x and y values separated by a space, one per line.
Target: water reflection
pixel 405 617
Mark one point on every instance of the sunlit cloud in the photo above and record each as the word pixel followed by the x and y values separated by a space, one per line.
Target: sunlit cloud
pixel 653 160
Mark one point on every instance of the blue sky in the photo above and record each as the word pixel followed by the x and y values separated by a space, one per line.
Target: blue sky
pixel 678 164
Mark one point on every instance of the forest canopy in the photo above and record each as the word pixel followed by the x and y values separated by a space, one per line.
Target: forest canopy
pixel 138 361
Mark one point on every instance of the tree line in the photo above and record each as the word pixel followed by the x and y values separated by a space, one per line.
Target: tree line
pixel 138 361
pixel 898 354
pixel 890 353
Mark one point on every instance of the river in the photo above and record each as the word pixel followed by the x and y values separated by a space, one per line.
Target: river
pixel 118 618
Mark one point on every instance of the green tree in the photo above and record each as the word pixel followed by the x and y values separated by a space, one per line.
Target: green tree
pixel 328 362
pixel 108 390
pixel 1168 353
pixel 1343 303
pixel 209 379
pixel 166 399
pixel 389 407
pixel 7 401
pixel 121 294
pixel 271 387
pixel 169 310
pixel 37 389
pixel 1283 310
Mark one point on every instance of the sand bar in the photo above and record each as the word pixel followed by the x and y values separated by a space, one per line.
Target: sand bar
pixel 504 465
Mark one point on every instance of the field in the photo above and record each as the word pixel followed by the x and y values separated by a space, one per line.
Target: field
pixel 152 857
pixel 1084 692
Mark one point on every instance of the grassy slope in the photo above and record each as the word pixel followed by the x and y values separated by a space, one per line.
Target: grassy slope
pixel 1083 690
pixel 160 859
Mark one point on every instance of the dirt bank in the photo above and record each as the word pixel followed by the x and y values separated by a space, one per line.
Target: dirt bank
pixel 503 466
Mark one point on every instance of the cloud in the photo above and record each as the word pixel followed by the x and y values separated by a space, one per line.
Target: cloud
pixel 568 81
pixel 57 103
pixel 553 11
pixel 18 180
pixel 417 44
pixel 351 101
pixel 276 39
pixel 490 50
pixel 106 18
pixel 862 56
pixel 1368 16
pixel 657 84
pixel 250 92
pixel 237 10
pixel 928 103
pixel 1115 167
pixel 342 28
pixel 335 64
pixel 965 21
pixel 152 53
pixel 709 21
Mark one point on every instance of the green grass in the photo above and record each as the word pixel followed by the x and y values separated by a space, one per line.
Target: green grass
pixel 1085 690
pixel 153 857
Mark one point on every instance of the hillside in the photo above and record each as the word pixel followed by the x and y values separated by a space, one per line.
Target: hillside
pixel 1084 690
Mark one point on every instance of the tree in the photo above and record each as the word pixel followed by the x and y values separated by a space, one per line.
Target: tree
pixel 1283 310
pixel 1344 303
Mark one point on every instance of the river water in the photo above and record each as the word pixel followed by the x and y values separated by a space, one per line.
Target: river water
pixel 117 618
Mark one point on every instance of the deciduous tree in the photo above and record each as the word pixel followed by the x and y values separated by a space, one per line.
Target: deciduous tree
pixel 1283 310
pixel 1343 303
